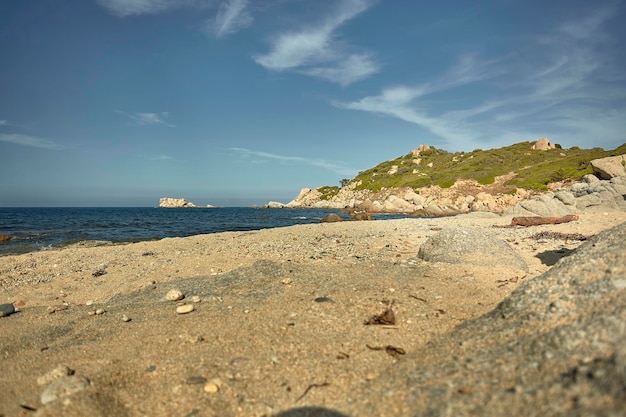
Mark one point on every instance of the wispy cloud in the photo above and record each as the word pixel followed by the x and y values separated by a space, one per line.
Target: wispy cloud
pixel 124 8
pixel 162 158
pixel 317 52
pixel 562 83
pixel 316 162
pixel 148 119
pixel 232 16
pixel 30 141
pixel 4 122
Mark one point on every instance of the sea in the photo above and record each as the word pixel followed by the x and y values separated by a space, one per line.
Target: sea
pixel 37 229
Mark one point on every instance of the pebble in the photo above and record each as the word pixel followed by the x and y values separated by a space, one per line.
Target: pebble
pixel 184 309
pixel 63 387
pixel 286 281
pixel 213 386
pixel 6 309
pixel 196 299
pixel 100 311
pixel 126 318
pixel 174 295
pixel 89 302
pixel 56 373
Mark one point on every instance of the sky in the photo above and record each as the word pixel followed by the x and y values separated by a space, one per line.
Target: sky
pixel 242 102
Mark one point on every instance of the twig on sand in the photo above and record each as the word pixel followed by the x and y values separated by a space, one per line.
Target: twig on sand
pixel 306 391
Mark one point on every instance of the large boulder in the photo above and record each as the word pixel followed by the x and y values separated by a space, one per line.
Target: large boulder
pixel 543 144
pixel 607 168
pixel 470 246
pixel 555 347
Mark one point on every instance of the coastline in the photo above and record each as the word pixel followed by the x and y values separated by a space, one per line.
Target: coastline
pixel 258 328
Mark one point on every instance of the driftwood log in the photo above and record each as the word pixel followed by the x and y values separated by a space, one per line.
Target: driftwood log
pixel 535 221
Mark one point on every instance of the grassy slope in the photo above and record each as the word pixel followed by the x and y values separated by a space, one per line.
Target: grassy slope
pixel 535 169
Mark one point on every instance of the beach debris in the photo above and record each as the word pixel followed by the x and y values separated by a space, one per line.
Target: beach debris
pixel 310 387
pixel 174 295
pixel 418 298
pixel 558 236
pixel 324 300
pixel 99 273
pixel 63 387
pixel 387 317
pixel 184 309
pixel 6 309
pixel 390 350
pixel 503 282
pixel 536 220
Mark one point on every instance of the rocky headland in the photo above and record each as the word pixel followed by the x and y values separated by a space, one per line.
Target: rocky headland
pixel 606 186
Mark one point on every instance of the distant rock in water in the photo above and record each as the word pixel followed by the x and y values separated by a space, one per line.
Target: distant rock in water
pixel 167 202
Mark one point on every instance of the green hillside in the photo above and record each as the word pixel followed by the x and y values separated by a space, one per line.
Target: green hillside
pixel 535 169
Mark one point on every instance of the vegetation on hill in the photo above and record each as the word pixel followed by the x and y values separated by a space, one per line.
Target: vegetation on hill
pixel 535 169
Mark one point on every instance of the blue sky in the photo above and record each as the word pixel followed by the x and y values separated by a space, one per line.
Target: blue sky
pixel 235 102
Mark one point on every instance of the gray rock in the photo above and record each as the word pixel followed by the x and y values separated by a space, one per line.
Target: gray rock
pixel 63 387
pixel 555 347
pixel 472 246
pixel 6 309
pixel 331 218
pixel 566 197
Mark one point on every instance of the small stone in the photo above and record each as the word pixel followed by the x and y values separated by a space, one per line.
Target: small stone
pixel 20 303
pixel 6 309
pixel 211 387
pixel 92 313
pixel 63 387
pixel 89 302
pixel 99 311
pixel 174 295
pixel 125 318
pixel 56 373
pixel 184 309
pixel 196 299
pixel 287 281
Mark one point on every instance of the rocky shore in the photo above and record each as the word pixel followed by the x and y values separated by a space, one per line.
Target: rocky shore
pixel 463 315
pixel 607 186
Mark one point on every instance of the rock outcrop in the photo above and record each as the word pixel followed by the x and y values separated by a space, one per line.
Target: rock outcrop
pixel 167 202
pixel 544 144
pixel 610 167
pixel 589 192
pixel 468 196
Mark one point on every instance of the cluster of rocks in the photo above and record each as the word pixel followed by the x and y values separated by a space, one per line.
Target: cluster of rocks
pixel 606 186
pixel 591 191
pixel 167 202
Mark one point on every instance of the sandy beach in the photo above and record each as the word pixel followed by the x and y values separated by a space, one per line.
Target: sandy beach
pixel 279 321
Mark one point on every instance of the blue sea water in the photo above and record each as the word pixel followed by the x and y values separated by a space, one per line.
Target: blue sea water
pixel 34 229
